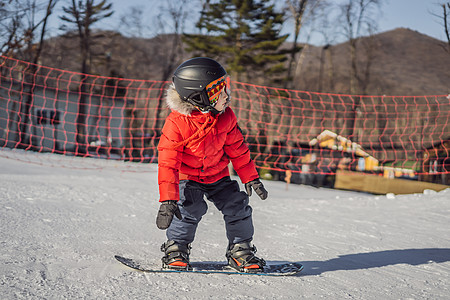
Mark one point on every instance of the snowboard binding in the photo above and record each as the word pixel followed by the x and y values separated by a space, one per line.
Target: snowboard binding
pixel 242 258
pixel 176 256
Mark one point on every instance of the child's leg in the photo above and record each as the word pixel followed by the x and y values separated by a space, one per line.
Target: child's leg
pixel 227 197
pixel 192 207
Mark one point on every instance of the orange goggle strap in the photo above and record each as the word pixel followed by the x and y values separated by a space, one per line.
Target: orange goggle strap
pixel 214 89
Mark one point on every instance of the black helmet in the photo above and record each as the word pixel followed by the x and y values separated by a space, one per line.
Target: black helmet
pixel 192 77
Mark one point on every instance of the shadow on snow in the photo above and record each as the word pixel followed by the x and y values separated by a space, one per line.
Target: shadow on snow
pixel 379 259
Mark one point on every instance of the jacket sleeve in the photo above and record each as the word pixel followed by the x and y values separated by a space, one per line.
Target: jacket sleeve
pixel 239 154
pixel 169 162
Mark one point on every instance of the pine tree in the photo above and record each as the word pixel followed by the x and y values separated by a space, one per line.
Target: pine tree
pixel 245 35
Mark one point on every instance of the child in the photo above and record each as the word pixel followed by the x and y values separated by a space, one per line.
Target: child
pixel 199 139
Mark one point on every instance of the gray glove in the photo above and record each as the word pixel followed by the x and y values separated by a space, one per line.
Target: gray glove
pixel 258 187
pixel 165 214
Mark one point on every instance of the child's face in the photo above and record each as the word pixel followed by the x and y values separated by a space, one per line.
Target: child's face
pixel 222 101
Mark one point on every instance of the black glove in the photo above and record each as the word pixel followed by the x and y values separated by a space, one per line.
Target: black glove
pixel 165 214
pixel 258 187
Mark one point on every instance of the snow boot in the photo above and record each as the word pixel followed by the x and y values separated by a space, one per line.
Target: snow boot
pixel 242 258
pixel 176 255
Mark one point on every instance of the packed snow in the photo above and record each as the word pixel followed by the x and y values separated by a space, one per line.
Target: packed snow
pixel 64 218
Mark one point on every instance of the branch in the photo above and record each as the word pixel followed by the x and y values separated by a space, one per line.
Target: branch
pixel 446 21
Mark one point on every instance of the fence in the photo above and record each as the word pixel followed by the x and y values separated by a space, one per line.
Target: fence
pixel 290 133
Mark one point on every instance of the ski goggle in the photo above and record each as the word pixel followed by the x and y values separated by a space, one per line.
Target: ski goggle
pixel 215 88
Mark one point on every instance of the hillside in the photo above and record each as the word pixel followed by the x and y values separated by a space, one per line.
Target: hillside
pixel 404 62
pixel 114 55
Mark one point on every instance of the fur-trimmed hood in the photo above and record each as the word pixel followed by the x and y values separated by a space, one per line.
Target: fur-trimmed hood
pixel 175 103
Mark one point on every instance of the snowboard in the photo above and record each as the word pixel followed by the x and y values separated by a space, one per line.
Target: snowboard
pixel 274 269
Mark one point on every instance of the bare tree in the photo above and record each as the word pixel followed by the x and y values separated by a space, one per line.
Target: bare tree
pixel 327 29
pixel 445 19
pixel 177 14
pixel 165 27
pixel 326 79
pixel 34 53
pixel 83 14
pixel 300 11
pixel 22 23
pixel 10 26
pixel 358 18
pixel 22 32
pixel 132 22
pixel 297 9
pixel 172 18
pixel 48 11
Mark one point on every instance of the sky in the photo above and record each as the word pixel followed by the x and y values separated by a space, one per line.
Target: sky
pixel 413 14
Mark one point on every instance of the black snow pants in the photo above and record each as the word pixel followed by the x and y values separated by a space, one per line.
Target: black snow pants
pixel 226 196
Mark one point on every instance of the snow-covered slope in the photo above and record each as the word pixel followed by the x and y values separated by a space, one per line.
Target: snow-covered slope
pixel 61 227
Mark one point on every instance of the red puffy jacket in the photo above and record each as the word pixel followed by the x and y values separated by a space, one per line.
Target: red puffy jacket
pixel 199 147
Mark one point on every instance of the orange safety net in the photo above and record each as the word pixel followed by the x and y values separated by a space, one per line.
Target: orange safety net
pixel 290 133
